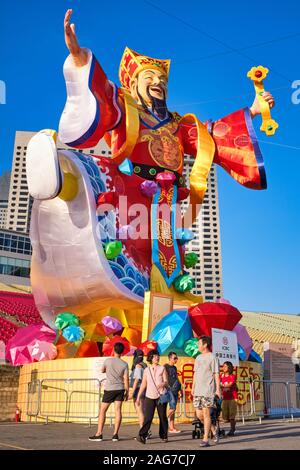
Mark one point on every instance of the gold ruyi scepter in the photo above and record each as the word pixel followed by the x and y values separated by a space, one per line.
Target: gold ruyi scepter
pixel 257 75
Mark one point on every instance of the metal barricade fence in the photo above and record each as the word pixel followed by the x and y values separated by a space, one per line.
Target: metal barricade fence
pixel 281 399
pixel 64 399
pixel 72 398
pixel 75 399
pixel 294 398
pixel 275 401
pixel 80 399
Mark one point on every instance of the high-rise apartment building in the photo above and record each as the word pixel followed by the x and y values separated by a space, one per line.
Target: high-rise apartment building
pixel 4 192
pixel 18 211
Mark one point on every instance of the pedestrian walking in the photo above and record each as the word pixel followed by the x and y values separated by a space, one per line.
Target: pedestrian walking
pixel 206 385
pixel 229 396
pixel 116 390
pixel 154 383
pixel 136 377
pixel 175 388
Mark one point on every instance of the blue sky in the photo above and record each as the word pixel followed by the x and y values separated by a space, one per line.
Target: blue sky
pixel 212 46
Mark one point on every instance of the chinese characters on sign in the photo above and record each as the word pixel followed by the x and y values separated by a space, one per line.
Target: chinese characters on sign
pixel 225 346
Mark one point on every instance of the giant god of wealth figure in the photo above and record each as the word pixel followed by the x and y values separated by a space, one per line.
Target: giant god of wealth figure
pixel 89 251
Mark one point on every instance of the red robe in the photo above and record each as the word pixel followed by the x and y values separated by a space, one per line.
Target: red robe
pixel 161 146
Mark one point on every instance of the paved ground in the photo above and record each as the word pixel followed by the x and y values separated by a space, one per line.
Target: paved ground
pixel 279 435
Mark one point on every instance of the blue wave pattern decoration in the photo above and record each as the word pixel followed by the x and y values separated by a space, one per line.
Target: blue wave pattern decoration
pixel 107 225
pixel 93 172
pixel 121 266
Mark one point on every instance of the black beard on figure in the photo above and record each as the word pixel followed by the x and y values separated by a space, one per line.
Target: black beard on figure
pixel 158 107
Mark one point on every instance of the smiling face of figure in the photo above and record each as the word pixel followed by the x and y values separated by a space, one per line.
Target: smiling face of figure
pixel 150 85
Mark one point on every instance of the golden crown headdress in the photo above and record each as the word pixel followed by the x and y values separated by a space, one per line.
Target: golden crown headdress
pixel 132 63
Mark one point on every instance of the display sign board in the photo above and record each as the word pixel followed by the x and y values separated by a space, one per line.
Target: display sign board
pixel 225 346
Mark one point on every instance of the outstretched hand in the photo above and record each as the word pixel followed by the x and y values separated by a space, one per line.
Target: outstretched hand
pixel 255 108
pixel 70 35
pixel 79 55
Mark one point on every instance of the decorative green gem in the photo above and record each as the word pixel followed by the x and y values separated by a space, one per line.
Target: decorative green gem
pixel 152 171
pixel 190 259
pixel 137 169
pixel 113 249
pixel 66 319
pixel 180 179
pixel 270 128
pixel 191 347
pixel 184 283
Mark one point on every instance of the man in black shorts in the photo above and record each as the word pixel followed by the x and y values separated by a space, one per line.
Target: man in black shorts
pixel 115 391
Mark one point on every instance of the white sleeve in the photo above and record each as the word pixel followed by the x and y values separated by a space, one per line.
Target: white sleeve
pixel 80 109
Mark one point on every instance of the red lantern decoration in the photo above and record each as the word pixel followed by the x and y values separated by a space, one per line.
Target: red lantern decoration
pixel 108 345
pixel 148 346
pixel 210 315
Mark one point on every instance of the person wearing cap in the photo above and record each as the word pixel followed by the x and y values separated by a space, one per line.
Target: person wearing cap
pixel 136 377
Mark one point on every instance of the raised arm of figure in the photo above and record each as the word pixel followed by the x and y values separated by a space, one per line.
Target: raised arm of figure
pixel 79 54
pixel 92 107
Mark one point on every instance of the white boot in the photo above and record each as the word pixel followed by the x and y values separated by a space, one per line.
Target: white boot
pixel 44 176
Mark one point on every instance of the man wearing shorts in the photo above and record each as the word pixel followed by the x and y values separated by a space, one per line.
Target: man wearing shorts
pixel 115 391
pixel 206 384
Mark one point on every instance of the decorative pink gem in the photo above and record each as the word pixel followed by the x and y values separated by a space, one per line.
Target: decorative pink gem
pixel 111 325
pixel 31 343
pixel 166 179
pixel 148 188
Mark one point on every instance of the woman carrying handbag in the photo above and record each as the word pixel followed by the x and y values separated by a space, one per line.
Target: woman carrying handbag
pixel 155 382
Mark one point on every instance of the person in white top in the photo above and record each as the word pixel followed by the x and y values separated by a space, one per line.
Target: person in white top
pixel 206 386
pixel 116 390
